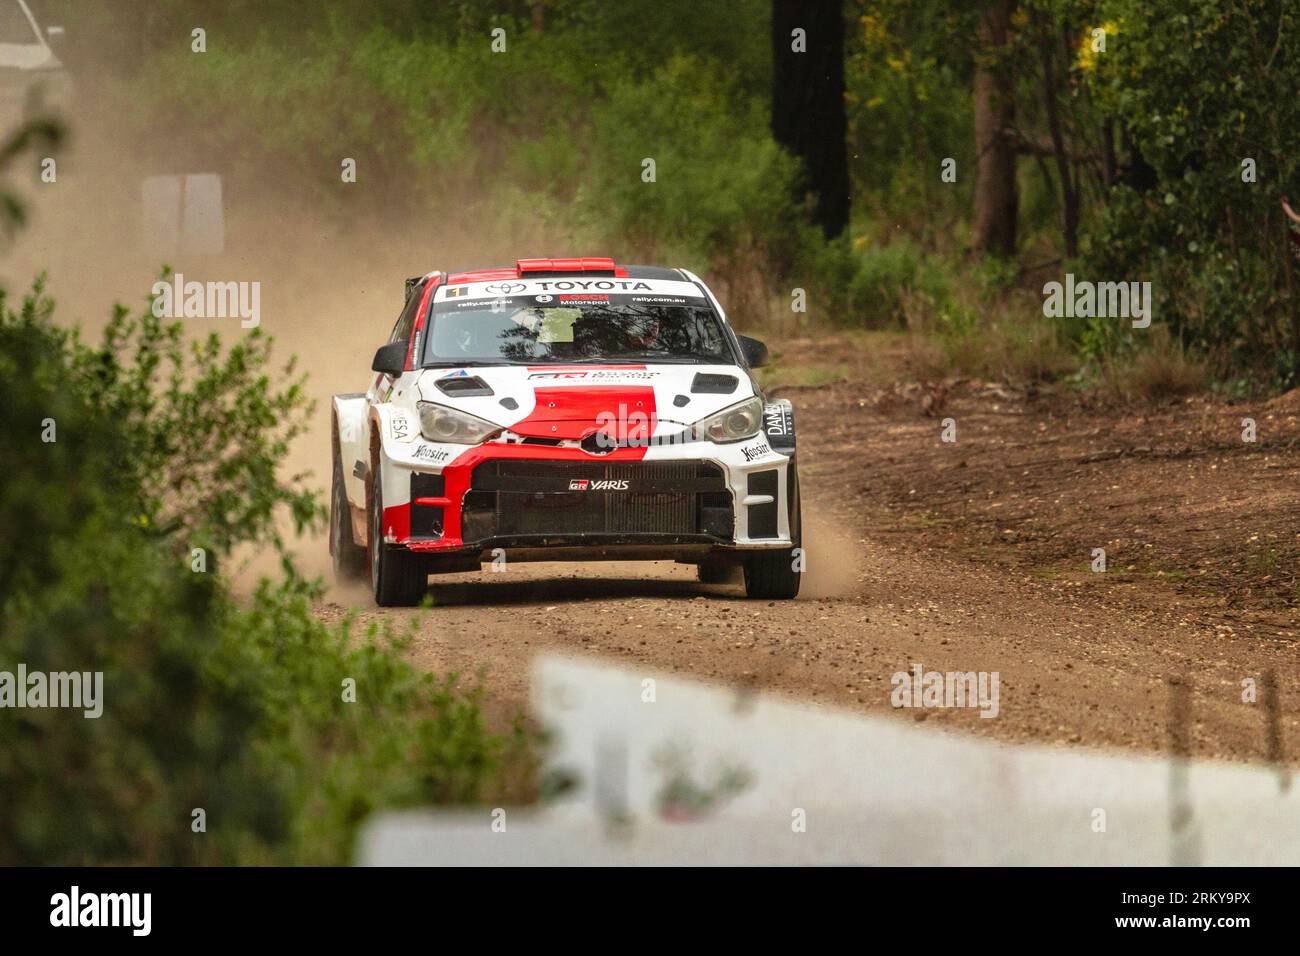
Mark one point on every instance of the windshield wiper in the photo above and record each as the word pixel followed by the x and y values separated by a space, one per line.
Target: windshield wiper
pixel 676 358
pixel 472 363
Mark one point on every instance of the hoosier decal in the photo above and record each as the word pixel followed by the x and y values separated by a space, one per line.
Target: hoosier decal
pixel 429 453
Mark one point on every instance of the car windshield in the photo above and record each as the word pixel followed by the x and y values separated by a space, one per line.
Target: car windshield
pixel 574 332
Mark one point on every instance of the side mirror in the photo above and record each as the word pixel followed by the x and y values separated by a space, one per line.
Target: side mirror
pixel 755 352
pixel 390 359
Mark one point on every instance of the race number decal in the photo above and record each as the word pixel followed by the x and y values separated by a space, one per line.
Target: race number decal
pixel 778 424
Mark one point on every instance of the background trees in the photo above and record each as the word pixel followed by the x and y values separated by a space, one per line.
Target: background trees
pixel 996 194
pixel 1126 139
pixel 808 102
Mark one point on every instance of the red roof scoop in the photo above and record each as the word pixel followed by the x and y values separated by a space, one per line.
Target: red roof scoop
pixel 590 266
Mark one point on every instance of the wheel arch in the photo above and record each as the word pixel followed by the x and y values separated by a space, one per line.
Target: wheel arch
pixel 348 426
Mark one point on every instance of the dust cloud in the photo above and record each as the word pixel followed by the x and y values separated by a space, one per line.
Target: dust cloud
pixel 835 565
pixel 331 287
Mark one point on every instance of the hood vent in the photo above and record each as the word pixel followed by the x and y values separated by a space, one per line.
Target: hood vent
pixel 707 383
pixel 464 386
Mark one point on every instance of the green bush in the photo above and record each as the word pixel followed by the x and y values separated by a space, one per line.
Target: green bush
pixel 719 181
pixel 546 139
pixel 538 150
pixel 235 708
pixel 870 286
pixel 1203 88
pixel 909 108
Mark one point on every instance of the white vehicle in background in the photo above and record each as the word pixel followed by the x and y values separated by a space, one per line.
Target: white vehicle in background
pixel 32 78
pixel 564 410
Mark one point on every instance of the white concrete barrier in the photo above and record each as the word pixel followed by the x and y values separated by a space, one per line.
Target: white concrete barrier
pixel 700 775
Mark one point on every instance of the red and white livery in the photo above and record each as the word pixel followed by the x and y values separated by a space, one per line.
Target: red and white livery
pixel 564 409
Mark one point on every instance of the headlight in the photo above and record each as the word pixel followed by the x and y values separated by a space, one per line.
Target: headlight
pixel 440 423
pixel 736 423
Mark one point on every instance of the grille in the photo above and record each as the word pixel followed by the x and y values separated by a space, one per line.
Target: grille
pixel 612 498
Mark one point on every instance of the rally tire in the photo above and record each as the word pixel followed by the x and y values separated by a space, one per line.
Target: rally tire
pixel 396 576
pixel 771 575
pixel 349 558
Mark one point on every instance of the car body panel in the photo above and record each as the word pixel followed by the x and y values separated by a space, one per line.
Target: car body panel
pixel 545 413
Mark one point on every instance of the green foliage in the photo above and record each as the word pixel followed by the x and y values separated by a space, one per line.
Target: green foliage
pixel 234 708
pixel 1202 87
pixel 718 173
pixel 871 286
pixel 1008 342
pixel 206 428
pixel 40 133
pixel 909 108
pixel 544 144
pixel 555 130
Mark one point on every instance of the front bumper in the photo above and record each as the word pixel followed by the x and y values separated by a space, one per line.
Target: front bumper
pixel 658 501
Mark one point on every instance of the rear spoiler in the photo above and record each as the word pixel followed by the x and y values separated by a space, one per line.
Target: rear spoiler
pixel 601 266
pixel 415 282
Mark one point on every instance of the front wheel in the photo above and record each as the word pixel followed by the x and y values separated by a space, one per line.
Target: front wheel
pixel 396 576
pixel 349 558
pixel 775 575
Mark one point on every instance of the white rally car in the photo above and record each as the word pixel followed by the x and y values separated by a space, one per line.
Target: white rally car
pixel 564 410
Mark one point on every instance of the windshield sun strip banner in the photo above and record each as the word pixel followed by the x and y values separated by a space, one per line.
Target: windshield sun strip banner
pixel 576 301
pixel 543 291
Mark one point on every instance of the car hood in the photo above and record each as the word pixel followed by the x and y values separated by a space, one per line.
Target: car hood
pixel 573 401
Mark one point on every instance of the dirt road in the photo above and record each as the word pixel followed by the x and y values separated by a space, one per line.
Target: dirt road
pixel 973 555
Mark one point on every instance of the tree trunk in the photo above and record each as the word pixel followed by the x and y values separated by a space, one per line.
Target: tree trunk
pixel 1108 163
pixel 808 102
pixel 1069 183
pixel 1289 273
pixel 995 154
